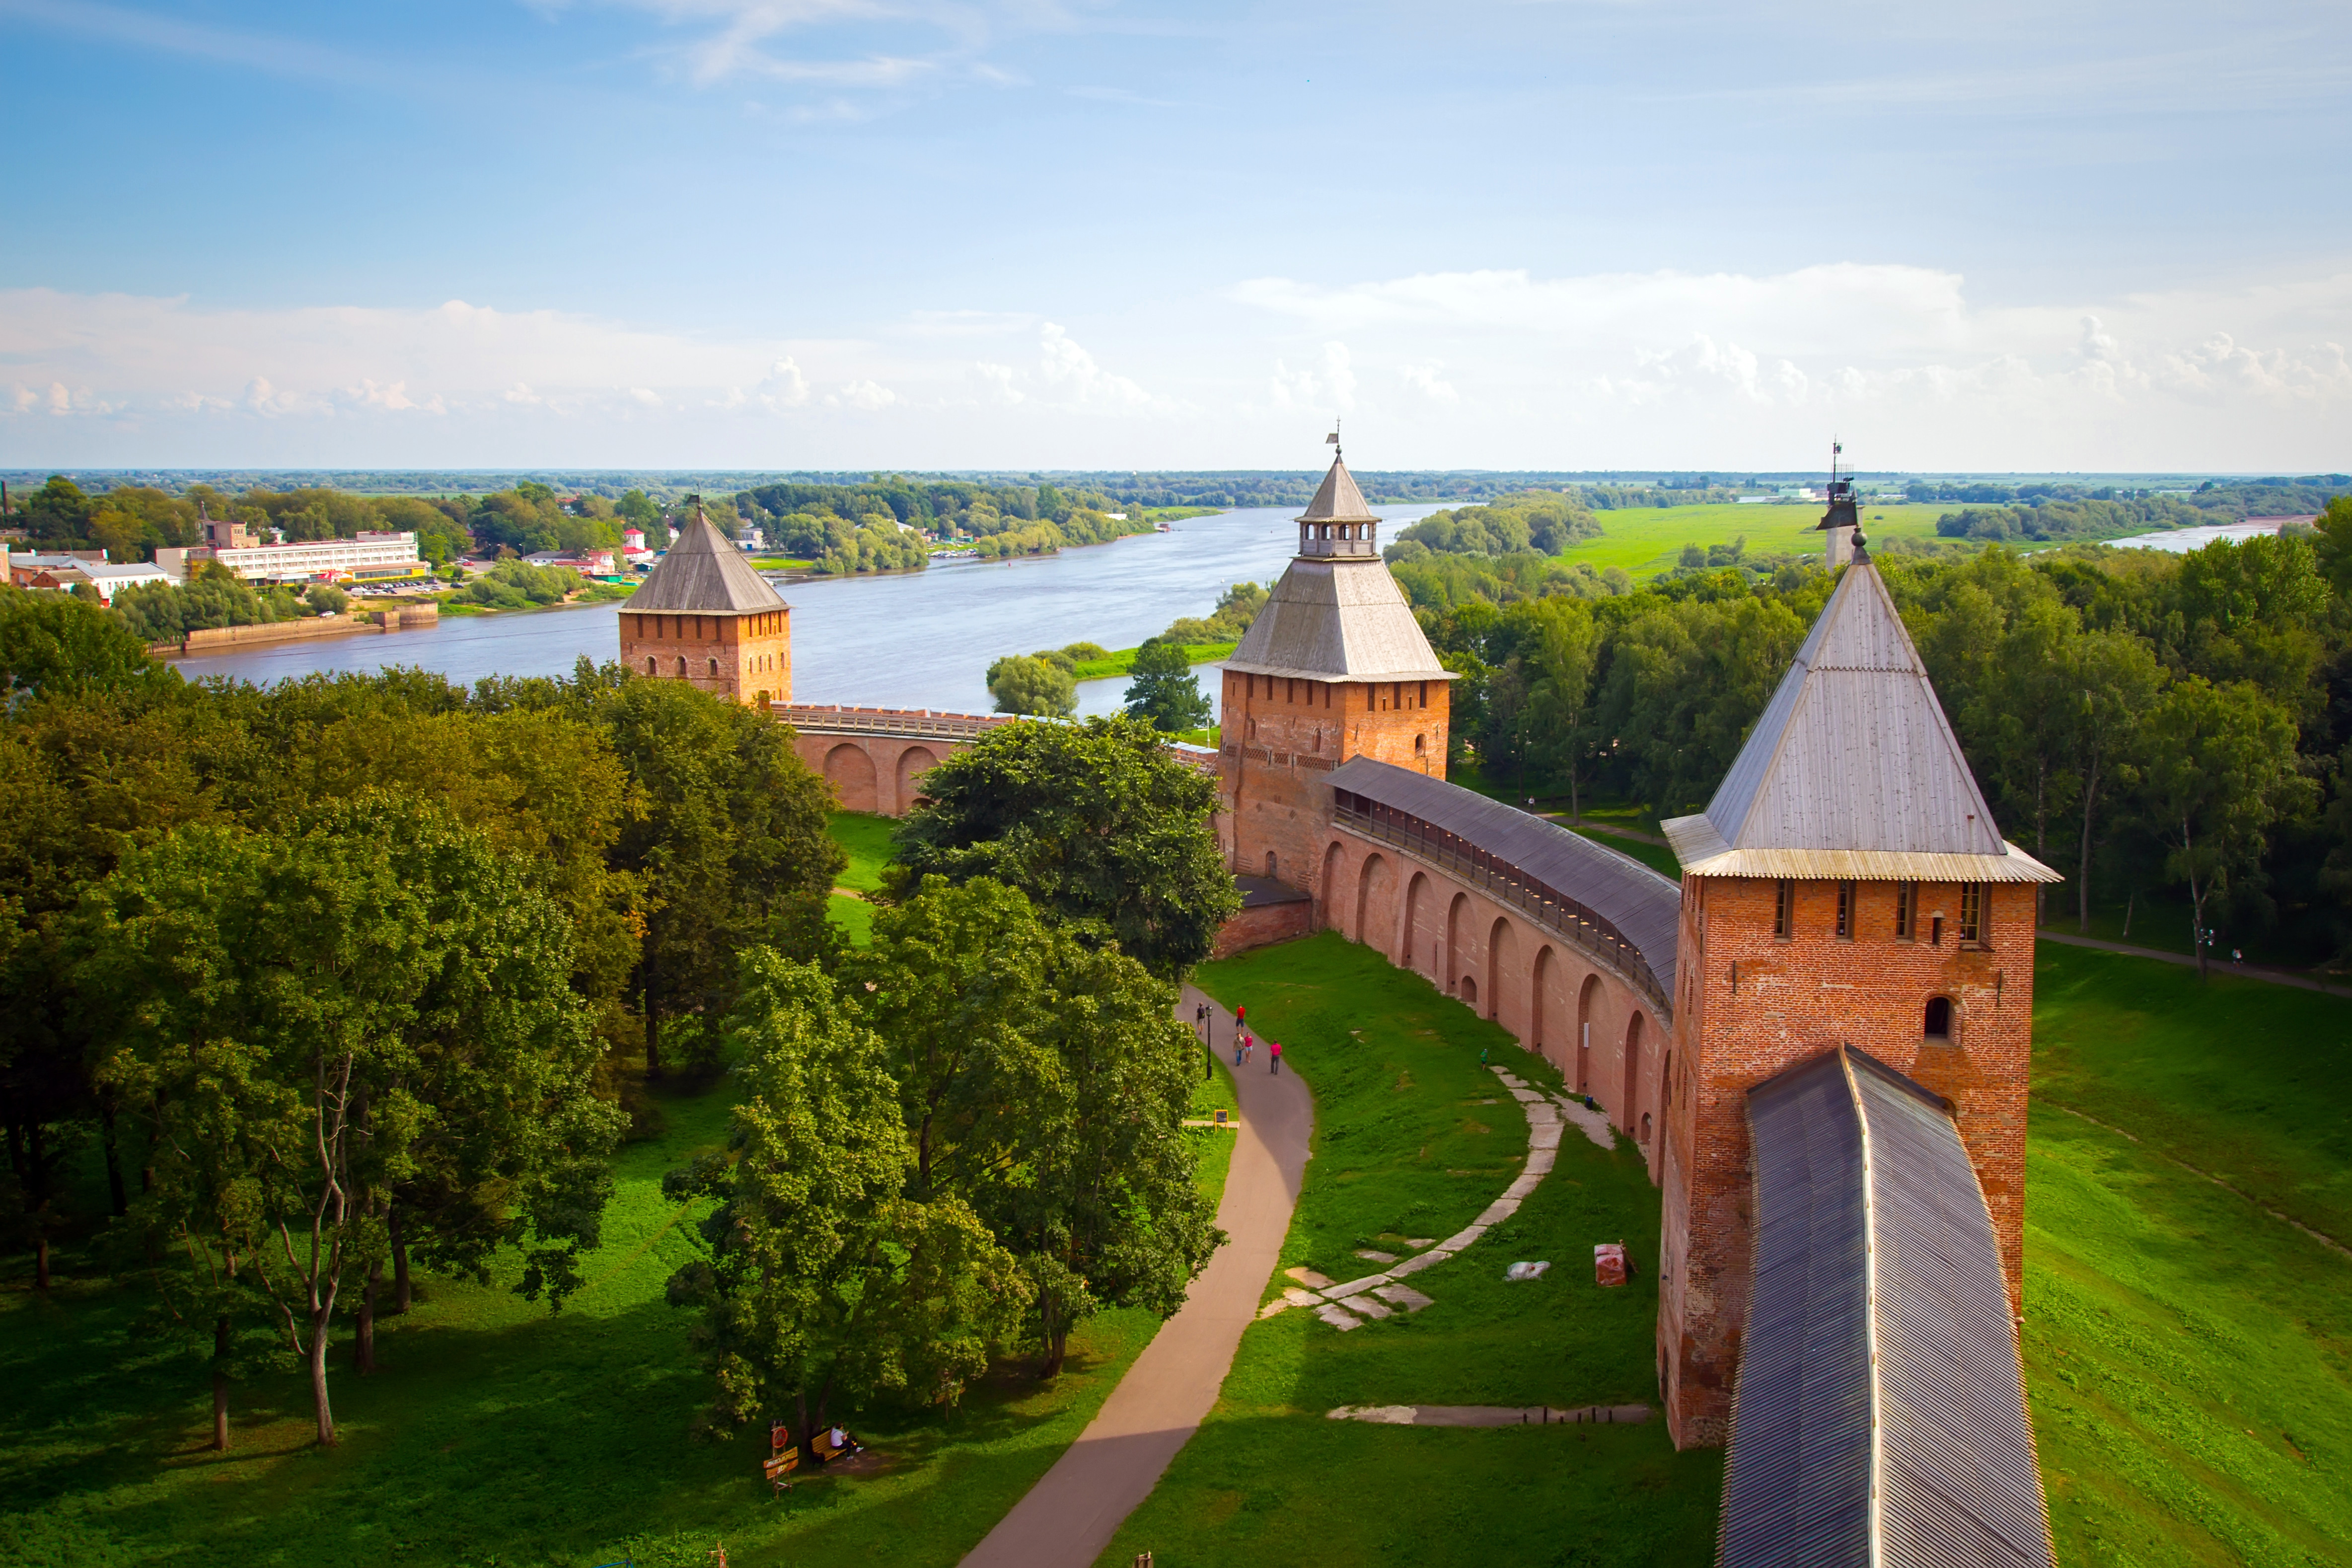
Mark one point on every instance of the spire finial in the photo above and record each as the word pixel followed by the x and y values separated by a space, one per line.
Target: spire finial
pixel 1338 454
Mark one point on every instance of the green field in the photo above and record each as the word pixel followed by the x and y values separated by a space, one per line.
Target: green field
pixel 1412 1138
pixel 1647 539
pixel 1122 662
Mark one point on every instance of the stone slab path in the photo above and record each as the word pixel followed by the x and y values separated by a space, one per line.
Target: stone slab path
pixel 1350 1306
pixel 1070 1515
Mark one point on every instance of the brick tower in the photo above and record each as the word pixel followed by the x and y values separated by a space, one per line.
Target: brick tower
pixel 1334 666
pixel 704 616
pixel 1845 886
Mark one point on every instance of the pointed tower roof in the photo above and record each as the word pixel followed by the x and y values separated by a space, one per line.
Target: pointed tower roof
pixel 1338 500
pixel 1337 615
pixel 704 574
pixel 1853 772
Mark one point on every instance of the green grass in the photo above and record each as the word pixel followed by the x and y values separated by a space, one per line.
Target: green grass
pixel 2239 1078
pixel 866 837
pixel 1211 1094
pixel 1123 661
pixel 1656 856
pixel 1412 1138
pixel 853 915
pixel 2189 1357
pixel 1647 539
pixel 494 1433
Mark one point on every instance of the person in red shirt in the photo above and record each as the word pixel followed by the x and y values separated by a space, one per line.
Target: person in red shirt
pixel 1274 1056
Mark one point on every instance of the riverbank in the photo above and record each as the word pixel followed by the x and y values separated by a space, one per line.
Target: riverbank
pixel 1123 661
pixel 216 640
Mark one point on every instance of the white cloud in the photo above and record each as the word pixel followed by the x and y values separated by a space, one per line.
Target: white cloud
pixel 868 396
pixel 1425 379
pixel 1063 364
pixel 999 380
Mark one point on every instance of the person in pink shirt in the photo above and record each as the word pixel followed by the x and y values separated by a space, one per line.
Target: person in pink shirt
pixel 1274 1056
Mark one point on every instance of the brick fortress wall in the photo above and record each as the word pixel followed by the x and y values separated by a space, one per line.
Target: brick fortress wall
pixel 1282 737
pixel 1789 1001
pixel 745 658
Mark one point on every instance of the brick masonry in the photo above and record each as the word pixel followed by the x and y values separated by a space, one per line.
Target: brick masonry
pixel 1282 737
pixel 747 657
pixel 1753 1004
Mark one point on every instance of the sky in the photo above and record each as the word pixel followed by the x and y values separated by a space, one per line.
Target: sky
pixel 2074 234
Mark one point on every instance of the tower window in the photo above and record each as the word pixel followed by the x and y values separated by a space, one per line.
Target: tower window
pixel 1937 1025
pixel 1906 911
pixel 1845 911
pixel 1972 912
pixel 1784 909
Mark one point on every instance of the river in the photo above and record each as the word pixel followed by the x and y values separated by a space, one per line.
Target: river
pixel 917 639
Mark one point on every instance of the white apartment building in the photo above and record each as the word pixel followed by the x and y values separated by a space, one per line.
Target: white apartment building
pixel 370 558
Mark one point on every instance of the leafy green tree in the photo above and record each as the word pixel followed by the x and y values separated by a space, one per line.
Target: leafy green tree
pixel 58 514
pixel 2111 682
pixel 1164 692
pixel 1044 1084
pixel 325 599
pixel 1560 657
pixel 1023 683
pixel 64 647
pixel 731 849
pixel 1100 824
pixel 826 1279
pixel 306 1021
pixel 2222 769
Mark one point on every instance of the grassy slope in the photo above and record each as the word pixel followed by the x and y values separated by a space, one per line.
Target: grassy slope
pixel 866 837
pixel 1122 661
pixel 2190 1358
pixel 494 1433
pixel 1656 856
pixel 1413 1137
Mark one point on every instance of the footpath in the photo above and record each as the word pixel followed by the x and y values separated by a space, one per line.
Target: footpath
pixel 1069 1516
pixel 2218 966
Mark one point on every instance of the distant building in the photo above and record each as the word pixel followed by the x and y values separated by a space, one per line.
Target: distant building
pixel 25 565
pixel 369 558
pixel 705 616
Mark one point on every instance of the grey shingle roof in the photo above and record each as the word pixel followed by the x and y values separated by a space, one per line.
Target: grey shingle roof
pixel 1338 500
pixel 1853 770
pixel 1880 1413
pixel 1643 907
pixel 704 571
pixel 1340 619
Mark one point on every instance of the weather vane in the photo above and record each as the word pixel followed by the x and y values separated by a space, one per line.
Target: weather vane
pixel 1333 440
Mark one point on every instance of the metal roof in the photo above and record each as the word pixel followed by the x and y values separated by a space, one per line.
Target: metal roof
pixel 1879 1418
pixel 1645 908
pixel 1853 755
pixel 704 573
pixel 1338 500
pixel 1336 617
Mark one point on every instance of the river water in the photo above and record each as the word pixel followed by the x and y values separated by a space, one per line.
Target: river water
pixel 920 639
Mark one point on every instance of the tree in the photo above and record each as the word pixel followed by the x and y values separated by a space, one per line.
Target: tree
pixel 1105 829
pixel 2111 682
pixel 825 1278
pixel 731 849
pixel 1044 1084
pixel 1165 693
pixel 51 643
pixel 1558 661
pixel 57 514
pixel 305 1021
pixel 2222 769
pixel 1022 683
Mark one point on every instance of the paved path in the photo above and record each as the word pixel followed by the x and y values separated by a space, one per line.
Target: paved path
pixel 2222 966
pixel 1070 1515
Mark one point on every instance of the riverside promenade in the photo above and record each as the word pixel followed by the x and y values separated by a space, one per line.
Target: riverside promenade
pixel 1070 1515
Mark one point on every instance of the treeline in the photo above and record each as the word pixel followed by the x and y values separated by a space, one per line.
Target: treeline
pixel 2141 721
pixel 319 985
pixel 863 527
pixel 2222 500
pixel 1534 521
pixel 162 612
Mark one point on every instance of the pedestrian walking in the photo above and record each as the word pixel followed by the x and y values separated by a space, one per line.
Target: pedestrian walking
pixel 1241 1014
pixel 1274 1057
pixel 1241 1046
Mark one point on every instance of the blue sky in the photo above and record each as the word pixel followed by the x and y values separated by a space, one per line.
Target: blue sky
pixel 835 234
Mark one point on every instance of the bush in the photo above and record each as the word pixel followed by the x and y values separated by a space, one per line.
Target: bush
pixel 1023 683
pixel 326 599
pixel 517 585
